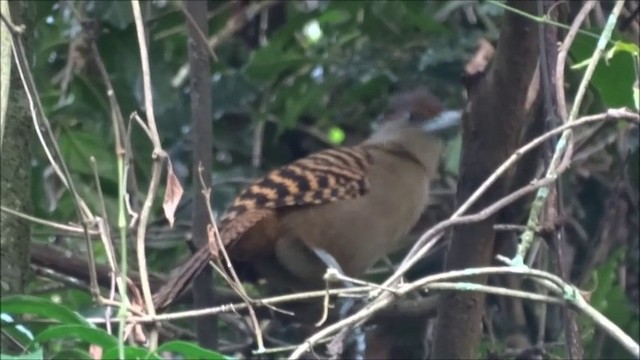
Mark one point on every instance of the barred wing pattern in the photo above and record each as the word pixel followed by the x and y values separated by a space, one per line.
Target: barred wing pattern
pixel 326 176
pixel 323 177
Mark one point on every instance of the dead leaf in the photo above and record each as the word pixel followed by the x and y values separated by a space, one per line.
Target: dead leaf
pixel 586 295
pixel 172 195
pixel 95 351
pixel 480 59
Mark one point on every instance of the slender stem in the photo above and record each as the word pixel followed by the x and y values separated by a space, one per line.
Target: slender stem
pixel 565 144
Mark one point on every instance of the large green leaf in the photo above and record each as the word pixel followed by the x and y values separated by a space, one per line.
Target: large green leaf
pixel 26 304
pixel 613 79
pixel 88 334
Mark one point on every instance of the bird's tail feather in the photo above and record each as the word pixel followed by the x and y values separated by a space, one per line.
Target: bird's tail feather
pixel 180 279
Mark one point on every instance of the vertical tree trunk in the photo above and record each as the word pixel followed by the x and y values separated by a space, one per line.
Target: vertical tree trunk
pixel 201 118
pixel 491 128
pixel 15 184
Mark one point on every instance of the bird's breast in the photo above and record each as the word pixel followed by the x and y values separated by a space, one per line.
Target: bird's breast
pixel 358 232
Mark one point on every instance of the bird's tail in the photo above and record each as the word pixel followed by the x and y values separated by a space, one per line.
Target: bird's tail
pixel 180 279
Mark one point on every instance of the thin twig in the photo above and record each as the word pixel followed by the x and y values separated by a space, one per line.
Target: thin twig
pixel 158 159
pixel 421 248
pixel 539 19
pixel 257 302
pixel 235 283
pixel 233 24
pixel 562 56
pixel 565 144
pixel 124 154
pixel 107 242
pixel 568 292
pixel 75 229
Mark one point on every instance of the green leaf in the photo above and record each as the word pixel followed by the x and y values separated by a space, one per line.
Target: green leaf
pixel 609 299
pixel 36 355
pixel 88 334
pixel 582 64
pixel 190 350
pixel 636 95
pixel 130 353
pixel 618 46
pixel 25 304
pixel 612 79
pixel 72 354
pixel 18 332
pixel 452 155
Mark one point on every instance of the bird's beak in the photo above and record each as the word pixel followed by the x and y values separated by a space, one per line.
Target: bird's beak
pixel 444 124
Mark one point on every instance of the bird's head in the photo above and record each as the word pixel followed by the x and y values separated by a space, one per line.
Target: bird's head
pixel 417 123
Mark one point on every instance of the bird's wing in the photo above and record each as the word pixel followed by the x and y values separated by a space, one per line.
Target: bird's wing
pixel 323 177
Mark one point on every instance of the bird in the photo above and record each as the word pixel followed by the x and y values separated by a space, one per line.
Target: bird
pixel 343 207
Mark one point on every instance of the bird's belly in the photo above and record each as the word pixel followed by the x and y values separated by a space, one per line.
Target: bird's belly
pixel 357 233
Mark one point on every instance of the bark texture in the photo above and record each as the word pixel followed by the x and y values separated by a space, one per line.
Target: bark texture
pixel 491 129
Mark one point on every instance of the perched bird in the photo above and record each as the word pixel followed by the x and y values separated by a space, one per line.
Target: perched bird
pixel 344 208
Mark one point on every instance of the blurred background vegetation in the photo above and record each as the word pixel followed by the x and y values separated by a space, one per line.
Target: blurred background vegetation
pixel 300 77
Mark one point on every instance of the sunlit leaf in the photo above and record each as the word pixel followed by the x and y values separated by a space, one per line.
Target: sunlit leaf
pixel 172 195
pixel 627 47
pixel 613 79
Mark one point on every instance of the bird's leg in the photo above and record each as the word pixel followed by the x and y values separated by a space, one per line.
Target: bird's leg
pixel 331 263
pixel 347 304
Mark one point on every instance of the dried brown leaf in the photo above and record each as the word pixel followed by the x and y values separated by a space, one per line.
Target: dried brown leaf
pixel 172 195
pixel 95 351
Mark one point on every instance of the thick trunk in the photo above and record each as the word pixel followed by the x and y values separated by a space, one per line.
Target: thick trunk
pixel 496 112
pixel 15 185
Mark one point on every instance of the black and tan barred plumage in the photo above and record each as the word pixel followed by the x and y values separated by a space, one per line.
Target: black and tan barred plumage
pixel 323 177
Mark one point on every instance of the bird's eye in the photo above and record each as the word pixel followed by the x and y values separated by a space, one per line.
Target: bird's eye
pixel 415 117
